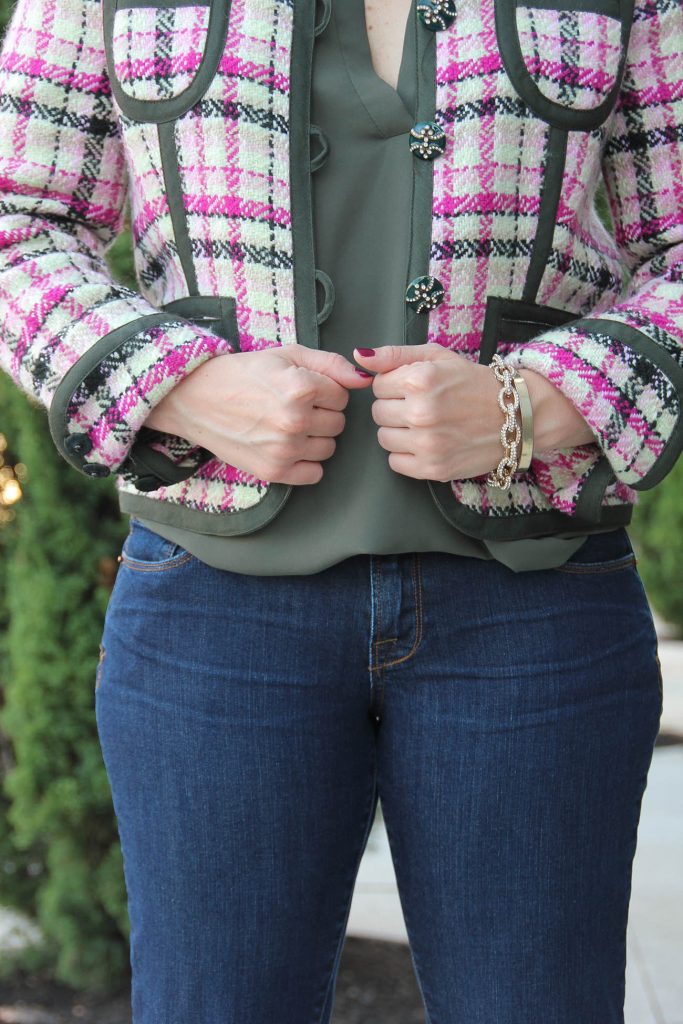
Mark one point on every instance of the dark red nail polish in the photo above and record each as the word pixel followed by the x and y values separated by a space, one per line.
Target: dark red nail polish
pixel 363 373
pixel 366 351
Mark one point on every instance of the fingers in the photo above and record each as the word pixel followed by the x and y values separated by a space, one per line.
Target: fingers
pixel 330 364
pixel 307 470
pixel 325 423
pixel 316 449
pixel 328 393
pixel 407 465
pixel 396 383
pixel 303 473
pixel 388 357
pixel 395 439
pixel 389 412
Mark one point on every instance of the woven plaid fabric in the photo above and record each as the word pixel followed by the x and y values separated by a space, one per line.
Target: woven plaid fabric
pixel 62 192
pixel 572 56
pixel 157 50
pixel 233 156
pixel 70 156
pixel 485 206
pixel 629 401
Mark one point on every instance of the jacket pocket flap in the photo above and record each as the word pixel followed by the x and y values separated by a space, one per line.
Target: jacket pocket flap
pixel 157 51
pixel 162 55
pixel 565 57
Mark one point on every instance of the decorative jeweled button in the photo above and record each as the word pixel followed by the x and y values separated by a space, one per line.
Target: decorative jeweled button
pixel 427 140
pixel 424 293
pixel 436 14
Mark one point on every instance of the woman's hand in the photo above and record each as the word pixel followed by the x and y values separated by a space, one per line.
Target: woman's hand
pixel 438 412
pixel 273 413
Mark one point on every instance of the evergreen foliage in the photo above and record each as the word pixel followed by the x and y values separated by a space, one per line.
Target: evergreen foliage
pixel 60 858
pixel 658 540
pixel 59 817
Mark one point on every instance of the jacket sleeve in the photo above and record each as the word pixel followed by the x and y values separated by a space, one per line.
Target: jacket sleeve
pixel 623 368
pixel 95 354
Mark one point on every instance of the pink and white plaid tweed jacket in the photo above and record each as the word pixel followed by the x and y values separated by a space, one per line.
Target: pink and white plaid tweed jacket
pixel 196 113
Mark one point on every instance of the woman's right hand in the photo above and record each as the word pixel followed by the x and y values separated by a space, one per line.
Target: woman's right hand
pixel 273 413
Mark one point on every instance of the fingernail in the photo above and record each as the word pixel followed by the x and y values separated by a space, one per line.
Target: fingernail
pixel 363 373
pixel 366 351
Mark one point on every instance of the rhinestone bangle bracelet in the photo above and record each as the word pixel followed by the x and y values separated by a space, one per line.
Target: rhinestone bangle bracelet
pixel 527 415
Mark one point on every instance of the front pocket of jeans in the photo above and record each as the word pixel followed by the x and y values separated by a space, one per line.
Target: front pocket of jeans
pixel 144 550
pixel 612 565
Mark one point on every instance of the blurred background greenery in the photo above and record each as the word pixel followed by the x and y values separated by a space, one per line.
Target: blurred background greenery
pixel 60 860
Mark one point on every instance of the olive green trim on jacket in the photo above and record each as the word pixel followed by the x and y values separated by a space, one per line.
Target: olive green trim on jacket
pixel 57 414
pixel 170 169
pixel 303 39
pixel 551 193
pixel 535 524
pixel 216 313
pixel 230 524
pixel 417 324
pixel 513 320
pixel 645 346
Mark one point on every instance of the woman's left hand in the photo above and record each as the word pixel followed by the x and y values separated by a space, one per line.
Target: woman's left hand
pixel 438 413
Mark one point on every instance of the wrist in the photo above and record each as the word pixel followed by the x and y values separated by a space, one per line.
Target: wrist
pixel 557 421
pixel 164 417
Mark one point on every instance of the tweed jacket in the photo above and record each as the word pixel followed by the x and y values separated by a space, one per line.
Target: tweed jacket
pixel 194 115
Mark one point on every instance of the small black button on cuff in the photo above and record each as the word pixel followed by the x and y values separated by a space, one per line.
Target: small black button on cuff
pixel 424 293
pixel 427 140
pixel 148 483
pixel 95 469
pixel 77 444
pixel 436 15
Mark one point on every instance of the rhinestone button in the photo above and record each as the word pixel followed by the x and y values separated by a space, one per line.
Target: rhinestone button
pixel 78 444
pixel 424 293
pixel 436 14
pixel 427 140
pixel 95 469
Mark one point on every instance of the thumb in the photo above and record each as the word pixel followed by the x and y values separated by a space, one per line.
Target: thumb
pixel 389 357
pixel 331 364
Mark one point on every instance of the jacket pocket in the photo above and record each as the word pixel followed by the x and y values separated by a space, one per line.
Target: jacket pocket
pixel 565 58
pixel 162 55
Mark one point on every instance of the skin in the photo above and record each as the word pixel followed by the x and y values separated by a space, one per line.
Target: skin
pixel 276 412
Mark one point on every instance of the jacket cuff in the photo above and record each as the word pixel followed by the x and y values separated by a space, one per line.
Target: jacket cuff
pixel 628 388
pixel 98 410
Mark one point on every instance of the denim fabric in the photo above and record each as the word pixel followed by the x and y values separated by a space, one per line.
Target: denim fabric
pixel 506 721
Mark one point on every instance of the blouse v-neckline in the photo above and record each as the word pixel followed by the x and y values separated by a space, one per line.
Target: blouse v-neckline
pixel 391 110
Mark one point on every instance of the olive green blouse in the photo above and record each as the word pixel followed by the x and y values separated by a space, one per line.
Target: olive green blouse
pixel 361 183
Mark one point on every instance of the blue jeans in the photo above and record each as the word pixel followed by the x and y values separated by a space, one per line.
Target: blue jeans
pixel 249 724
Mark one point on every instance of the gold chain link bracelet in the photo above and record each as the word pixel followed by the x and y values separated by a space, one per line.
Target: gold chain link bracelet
pixel 512 396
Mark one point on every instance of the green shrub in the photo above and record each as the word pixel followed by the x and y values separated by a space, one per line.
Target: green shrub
pixel 60 859
pixel 58 815
pixel 657 531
